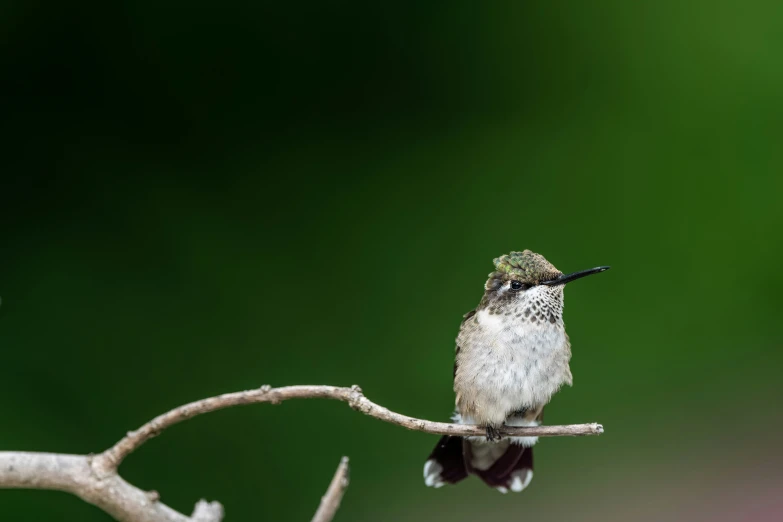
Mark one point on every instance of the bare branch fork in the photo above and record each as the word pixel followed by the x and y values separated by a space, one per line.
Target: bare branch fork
pixel 94 478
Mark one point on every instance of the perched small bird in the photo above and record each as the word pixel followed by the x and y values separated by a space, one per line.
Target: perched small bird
pixel 512 356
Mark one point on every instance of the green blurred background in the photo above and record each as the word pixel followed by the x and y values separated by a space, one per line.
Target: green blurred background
pixel 200 198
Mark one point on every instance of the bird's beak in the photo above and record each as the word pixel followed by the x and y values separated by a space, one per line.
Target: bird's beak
pixel 563 279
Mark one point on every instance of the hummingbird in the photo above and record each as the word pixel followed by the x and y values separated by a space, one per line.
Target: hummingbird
pixel 512 356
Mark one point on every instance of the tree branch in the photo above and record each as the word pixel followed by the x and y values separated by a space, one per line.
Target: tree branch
pixel 330 502
pixel 94 479
pixel 353 396
pixel 75 474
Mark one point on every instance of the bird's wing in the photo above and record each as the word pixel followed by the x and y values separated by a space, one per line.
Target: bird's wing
pixel 464 319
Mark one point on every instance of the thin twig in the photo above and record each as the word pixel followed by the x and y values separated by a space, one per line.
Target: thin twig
pixel 112 457
pixel 330 502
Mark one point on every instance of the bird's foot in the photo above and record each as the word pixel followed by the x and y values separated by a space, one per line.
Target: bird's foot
pixel 492 434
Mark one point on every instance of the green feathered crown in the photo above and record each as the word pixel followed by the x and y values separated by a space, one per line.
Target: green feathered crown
pixel 527 267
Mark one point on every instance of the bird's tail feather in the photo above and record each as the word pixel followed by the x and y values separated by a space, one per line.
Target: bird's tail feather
pixel 511 471
pixel 503 465
pixel 446 463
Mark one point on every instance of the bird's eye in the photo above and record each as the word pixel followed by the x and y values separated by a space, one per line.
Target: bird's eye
pixel 518 285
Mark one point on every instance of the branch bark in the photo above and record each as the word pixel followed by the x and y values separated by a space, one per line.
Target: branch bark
pixel 114 456
pixel 76 474
pixel 330 502
pixel 94 478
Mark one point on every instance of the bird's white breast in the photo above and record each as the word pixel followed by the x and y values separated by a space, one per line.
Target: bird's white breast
pixel 509 362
